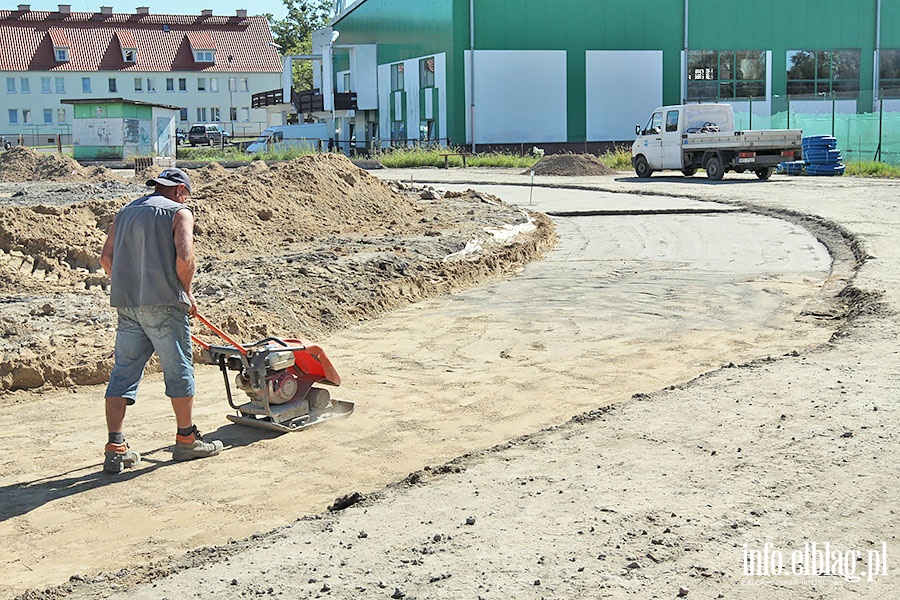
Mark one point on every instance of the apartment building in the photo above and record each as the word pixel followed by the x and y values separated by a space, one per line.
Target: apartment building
pixel 207 65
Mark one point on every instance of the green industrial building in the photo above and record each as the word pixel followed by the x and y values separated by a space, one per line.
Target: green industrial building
pixel 578 72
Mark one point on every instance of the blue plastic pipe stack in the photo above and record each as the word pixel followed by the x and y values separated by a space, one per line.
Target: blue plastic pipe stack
pixel 821 155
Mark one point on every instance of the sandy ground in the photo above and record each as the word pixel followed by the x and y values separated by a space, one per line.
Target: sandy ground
pixel 673 413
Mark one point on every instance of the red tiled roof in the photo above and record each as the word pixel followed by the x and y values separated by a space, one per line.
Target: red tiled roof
pixel 59 39
pixel 126 39
pixel 200 40
pixel 28 39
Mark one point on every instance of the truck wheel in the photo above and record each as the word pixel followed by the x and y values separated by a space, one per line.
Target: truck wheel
pixel 642 167
pixel 714 169
pixel 764 173
pixel 689 172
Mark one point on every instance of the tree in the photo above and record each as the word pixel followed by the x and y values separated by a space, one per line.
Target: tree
pixel 294 34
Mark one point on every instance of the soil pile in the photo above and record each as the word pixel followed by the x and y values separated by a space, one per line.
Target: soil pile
pixel 24 164
pixel 294 250
pixel 572 165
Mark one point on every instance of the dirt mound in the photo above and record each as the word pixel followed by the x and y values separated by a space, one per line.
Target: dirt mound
pixel 297 249
pixel 246 211
pixel 570 165
pixel 24 164
pixel 205 174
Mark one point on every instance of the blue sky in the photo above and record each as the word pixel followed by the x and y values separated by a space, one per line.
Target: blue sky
pixel 168 7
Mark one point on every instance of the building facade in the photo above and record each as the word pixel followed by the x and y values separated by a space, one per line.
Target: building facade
pixel 206 65
pixel 570 72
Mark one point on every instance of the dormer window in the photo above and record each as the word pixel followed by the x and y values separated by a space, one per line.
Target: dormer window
pixel 128 45
pixel 202 46
pixel 61 44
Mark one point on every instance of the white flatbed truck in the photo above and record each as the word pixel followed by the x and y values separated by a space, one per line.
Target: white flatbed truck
pixel 688 137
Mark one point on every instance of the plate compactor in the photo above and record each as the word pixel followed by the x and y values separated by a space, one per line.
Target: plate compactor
pixel 279 376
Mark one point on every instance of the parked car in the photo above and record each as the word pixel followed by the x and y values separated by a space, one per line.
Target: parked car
pixel 208 135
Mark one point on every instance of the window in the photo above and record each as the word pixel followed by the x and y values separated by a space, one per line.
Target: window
pixel 426 130
pixel 232 84
pixel 672 120
pixel 245 113
pixel 151 84
pixel 60 115
pixel 86 85
pixel 170 84
pixel 138 84
pixel 654 125
pixel 10 85
pixel 201 84
pixel 113 87
pixel 13 116
pixel 26 85
pixel 60 85
pixel 232 114
pixel 397 77
pixel 245 85
pixel 45 85
pixel 129 55
pixel 889 73
pixel 62 54
pixel 726 74
pixel 48 115
pixel 823 72
pixel 201 115
pixel 214 114
pixel 398 131
pixel 26 115
pixel 182 84
pixel 204 56
pixel 426 72
pixel 346 82
pixel 214 84
pixel 182 114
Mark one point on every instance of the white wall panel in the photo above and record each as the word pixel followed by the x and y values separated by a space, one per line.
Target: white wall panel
pixel 520 96
pixel 623 88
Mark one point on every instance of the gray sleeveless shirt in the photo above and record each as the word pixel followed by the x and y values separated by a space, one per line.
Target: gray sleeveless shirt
pixel 143 270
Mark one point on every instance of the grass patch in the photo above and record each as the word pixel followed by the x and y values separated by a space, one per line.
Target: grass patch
pixel 872 169
pixel 618 158
pixel 232 153
pixel 409 158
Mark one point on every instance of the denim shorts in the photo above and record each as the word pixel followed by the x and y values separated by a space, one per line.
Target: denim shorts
pixel 163 328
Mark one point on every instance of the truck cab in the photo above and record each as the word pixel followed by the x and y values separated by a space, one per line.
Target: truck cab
pixel 660 140
pixel 304 135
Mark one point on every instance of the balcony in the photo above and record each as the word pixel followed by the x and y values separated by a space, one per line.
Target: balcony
pixel 264 99
pixel 306 102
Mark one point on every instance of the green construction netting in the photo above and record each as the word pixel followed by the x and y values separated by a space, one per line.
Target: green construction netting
pixel 860 137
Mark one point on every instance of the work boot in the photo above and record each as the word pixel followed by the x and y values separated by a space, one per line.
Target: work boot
pixel 191 446
pixel 118 457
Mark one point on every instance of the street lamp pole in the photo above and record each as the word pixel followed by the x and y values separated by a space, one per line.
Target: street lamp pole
pixel 231 94
pixel 832 113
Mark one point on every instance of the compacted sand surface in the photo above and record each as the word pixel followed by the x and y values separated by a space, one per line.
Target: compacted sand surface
pixel 629 414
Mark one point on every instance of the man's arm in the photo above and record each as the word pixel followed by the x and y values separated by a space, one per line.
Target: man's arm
pixel 106 255
pixel 184 252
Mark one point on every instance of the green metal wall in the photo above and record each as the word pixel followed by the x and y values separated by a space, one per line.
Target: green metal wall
pixel 797 25
pixel 408 28
pixel 581 25
pixel 113 111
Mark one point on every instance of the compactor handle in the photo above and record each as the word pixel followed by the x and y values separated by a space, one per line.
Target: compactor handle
pixel 221 334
